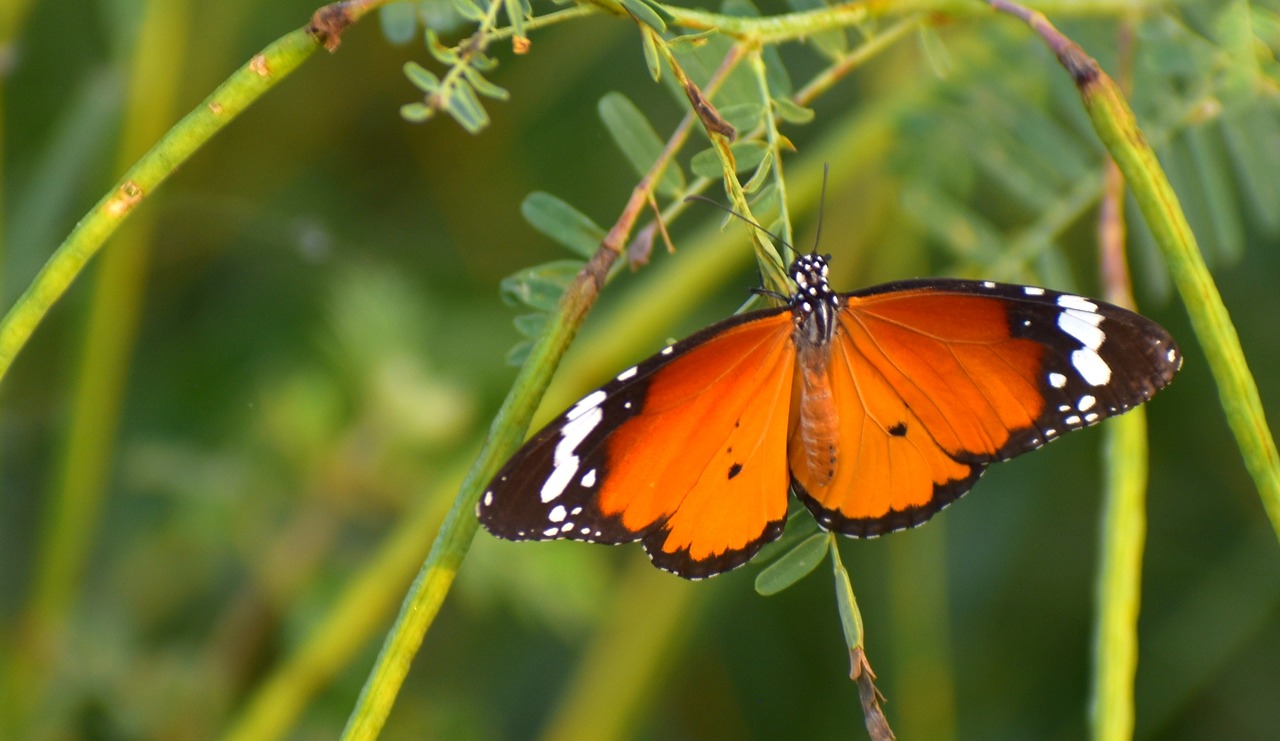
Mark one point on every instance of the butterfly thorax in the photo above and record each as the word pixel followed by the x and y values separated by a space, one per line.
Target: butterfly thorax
pixel 813 303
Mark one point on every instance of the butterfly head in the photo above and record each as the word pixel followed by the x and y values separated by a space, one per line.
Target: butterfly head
pixel 813 303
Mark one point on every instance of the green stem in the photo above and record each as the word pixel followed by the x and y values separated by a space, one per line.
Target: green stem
pixel 71 519
pixel 1116 127
pixel 436 576
pixel 1119 586
pixel 801 25
pixel 344 630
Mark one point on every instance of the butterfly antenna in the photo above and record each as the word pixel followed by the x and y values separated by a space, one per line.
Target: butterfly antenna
pixel 822 202
pixel 735 214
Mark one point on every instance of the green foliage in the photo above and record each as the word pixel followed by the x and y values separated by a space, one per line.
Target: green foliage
pixel 636 138
pixel 793 565
pixel 562 222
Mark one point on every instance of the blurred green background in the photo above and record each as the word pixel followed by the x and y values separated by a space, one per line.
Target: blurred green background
pixel 296 346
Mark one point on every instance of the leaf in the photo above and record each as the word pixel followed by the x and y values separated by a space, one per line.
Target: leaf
pixel 793 566
pixel 1233 29
pixel 469 10
pixel 832 43
pixel 651 58
pixel 636 138
pixel 516 15
pixel 800 525
pixel 466 109
pixel 743 116
pixel 562 222
pixel 446 16
pixel 761 174
pixel 935 51
pixel 483 86
pixel 422 78
pixel 541 285
pixel 792 113
pixel 530 325
pixel 746 155
pixel 416 112
pixel 846 603
pixel 644 13
pixel 775 72
pixel 518 353
pixel 1253 153
pixel 399 22
pixel 443 53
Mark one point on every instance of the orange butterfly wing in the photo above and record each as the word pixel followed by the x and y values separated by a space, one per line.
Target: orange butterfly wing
pixel 926 382
pixel 685 452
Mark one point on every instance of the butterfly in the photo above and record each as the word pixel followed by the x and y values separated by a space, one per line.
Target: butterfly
pixel 877 408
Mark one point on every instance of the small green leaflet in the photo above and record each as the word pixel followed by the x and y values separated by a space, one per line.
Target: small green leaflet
pixel 399 22
pixel 636 138
pixel 645 13
pixel 850 616
pixel 793 565
pixel 562 222
pixel 746 156
pixel 541 285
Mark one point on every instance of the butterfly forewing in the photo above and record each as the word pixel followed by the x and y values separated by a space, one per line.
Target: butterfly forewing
pixel 935 379
pixel 657 453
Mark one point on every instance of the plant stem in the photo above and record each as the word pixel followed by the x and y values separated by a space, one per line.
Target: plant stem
pixel 1118 130
pixel 228 101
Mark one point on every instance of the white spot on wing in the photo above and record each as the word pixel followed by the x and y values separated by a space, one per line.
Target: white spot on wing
pixel 1033 291
pixel 668 350
pixel 586 404
pixel 628 373
pixel 1057 380
pixel 1083 326
pixel 488 498
pixel 551 531
pixel 1092 368
pixel 1080 303
pixel 582 419
pixel 557 513
pixel 1086 403
pixel 589 479
pixel 988 284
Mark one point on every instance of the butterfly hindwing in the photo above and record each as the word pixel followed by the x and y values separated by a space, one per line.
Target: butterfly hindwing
pixel 932 380
pixel 684 452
